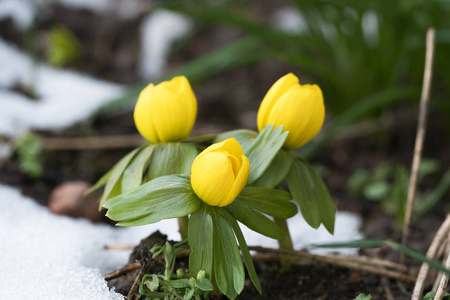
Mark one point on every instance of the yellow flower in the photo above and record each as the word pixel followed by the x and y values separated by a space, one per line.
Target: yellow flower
pixel 166 112
pixel 299 108
pixel 220 173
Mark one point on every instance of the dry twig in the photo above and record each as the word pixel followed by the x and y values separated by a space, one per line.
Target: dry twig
pixel 431 253
pixel 444 281
pixel 119 247
pixel 132 293
pixel 387 288
pixel 370 265
pixel 122 271
pixel 424 99
pixel 96 142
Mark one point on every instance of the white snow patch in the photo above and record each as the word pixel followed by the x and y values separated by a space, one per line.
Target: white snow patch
pixel 158 31
pixel 347 228
pixel 44 256
pixel 290 20
pixel 97 6
pixel 65 97
pixel 20 11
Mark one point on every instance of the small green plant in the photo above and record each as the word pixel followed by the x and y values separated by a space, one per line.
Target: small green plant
pixel 363 297
pixel 174 286
pixel 28 150
pixel 388 184
pixel 63 47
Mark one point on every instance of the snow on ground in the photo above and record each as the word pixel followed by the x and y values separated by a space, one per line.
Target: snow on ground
pixel 158 31
pixel 44 256
pixel 22 11
pixel 65 97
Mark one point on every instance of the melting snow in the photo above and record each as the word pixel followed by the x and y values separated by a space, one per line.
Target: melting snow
pixel 65 97
pixel 158 31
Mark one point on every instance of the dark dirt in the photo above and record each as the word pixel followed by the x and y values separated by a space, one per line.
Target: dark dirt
pixel 110 50
pixel 313 280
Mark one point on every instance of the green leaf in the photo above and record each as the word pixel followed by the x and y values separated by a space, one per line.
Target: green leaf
pixel 275 203
pixel 432 294
pixel 433 198
pixel 200 236
pixel 255 220
pixel 204 284
pixel 162 198
pixel 263 150
pixel 396 246
pixel 189 294
pixel 134 172
pixel 245 137
pixel 276 171
pixel 363 297
pixel 228 268
pixel 377 190
pixel 311 194
pixel 154 283
pixel 179 283
pixel 99 183
pixel 245 252
pixel 116 174
pixel 171 158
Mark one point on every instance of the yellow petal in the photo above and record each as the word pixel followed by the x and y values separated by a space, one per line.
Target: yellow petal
pixel 166 112
pixel 239 182
pixel 212 178
pixel 301 111
pixel 142 118
pixel 280 87
pixel 230 146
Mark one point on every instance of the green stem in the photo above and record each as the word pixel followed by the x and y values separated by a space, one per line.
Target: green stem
pixel 183 226
pixel 286 260
pixel 287 242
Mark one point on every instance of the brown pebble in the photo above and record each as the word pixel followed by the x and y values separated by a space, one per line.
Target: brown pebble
pixel 68 199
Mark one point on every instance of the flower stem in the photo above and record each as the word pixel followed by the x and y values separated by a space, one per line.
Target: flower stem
pixel 287 242
pixel 183 226
pixel 286 260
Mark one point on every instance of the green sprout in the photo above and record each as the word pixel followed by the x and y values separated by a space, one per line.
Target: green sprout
pixel 174 286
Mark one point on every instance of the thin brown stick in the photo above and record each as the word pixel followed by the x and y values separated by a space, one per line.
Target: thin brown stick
pixel 134 287
pixel 96 142
pixel 342 261
pixel 424 99
pixel 440 253
pixel 122 271
pixel 372 261
pixel 119 247
pixel 440 236
pixel 387 288
pixel 444 281
pixel 134 266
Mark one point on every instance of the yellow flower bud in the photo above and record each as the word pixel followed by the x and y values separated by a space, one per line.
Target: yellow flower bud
pixel 220 173
pixel 299 108
pixel 166 112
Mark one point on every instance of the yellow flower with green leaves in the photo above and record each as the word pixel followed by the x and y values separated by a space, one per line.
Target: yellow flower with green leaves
pixel 220 173
pixel 299 108
pixel 166 112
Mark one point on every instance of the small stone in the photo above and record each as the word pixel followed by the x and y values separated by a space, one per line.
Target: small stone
pixel 68 199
